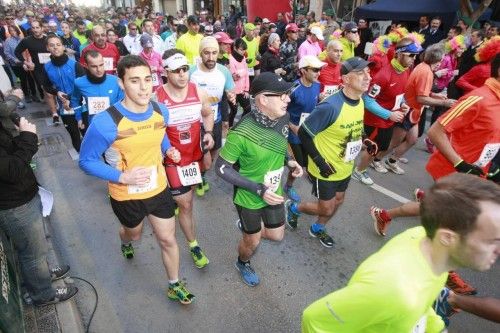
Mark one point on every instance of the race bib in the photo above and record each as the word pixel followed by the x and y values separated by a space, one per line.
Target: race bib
pixel 43 58
pixel 189 174
pixel 155 79
pixel 98 104
pixel 489 152
pixel 215 110
pixel 149 186
pixel 303 117
pixel 330 90
pixel 272 179
pixel 420 326
pixel 352 150
pixel 108 64
pixel 251 71
pixel 69 112
pixel 398 101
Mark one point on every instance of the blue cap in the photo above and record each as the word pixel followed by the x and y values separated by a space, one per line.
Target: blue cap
pixel 410 48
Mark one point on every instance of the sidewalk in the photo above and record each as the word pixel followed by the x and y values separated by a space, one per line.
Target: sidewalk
pixel 63 317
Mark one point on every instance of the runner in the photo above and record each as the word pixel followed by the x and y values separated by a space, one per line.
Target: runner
pixel 58 79
pixel 417 94
pixel 385 106
pixel 331 137
pixel 153 59
pixel 215 79
pixel 189 43
pixel 252 160
pixel 252 51
pixel 136 180
pixel 288 52
pixel 303 101
pixel 393 290
pixel 109 51
pixel 329 76
pixel 190 115
pixel 98 89
pixel 468 138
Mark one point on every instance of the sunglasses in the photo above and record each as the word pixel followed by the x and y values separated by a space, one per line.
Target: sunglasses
pixel 281 96
pixel 411 55
pixel 315 70
pixel 184 69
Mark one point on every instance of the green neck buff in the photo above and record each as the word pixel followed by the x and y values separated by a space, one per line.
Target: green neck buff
pixel 397 66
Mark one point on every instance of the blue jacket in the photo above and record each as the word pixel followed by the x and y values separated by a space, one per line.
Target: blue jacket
pixel 85 89
pixel 62 78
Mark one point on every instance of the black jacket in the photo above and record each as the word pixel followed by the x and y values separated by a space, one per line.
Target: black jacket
pixel 270 61
pixel 432 38
pixel 18 184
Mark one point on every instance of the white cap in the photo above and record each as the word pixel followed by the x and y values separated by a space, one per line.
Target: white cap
pixel 175 61
pixel 317 32
pixel 311 61
pixel 266 20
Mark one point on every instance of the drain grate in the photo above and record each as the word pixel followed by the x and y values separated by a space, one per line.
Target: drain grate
pixel 51 144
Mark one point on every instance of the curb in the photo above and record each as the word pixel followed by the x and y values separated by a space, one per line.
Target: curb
pixel 68 314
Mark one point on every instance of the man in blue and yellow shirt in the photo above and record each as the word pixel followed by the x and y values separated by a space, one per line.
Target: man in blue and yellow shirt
pixel 131 134
pixel 332 138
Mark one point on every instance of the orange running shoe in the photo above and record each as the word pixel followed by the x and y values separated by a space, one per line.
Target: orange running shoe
pixel 458 285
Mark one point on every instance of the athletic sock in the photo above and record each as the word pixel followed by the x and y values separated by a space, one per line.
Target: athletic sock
pixel 126 243
pixel 241 262
pixel 317 227
pixel 193 243
pixel 172 283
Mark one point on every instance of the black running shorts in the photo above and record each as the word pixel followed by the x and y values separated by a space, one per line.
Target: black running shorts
pixel 326 189
pixel 382 136
pixel 130 213
pixel 272 216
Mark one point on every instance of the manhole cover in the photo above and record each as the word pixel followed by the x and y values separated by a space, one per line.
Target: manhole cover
pixel 39 114
pixel 51 144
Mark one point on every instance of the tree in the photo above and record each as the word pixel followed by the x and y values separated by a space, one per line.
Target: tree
pixel 467 11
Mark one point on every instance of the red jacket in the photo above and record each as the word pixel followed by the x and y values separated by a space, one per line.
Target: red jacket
pixel 475 77
pixel 330 75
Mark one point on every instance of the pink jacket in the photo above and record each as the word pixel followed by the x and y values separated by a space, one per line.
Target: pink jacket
pixel 154 61
pixel 242 84
pixel 450 63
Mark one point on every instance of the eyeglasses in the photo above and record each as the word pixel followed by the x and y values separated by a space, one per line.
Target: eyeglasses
pixel 281 96
pixel 184 69
pixel 315 70
pixel 411 55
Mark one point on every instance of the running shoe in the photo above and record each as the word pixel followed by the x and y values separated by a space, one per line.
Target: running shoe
pixel 176 210
pixel 458 285
pixel 378 166
pixel 62 294
pixel 429 145
pixel 178 292
pixel 291 193
pixel 206 185
pixel 55 120
pixel 199 258
pixel 323 237
pixel 442 307
pixel 247 273
pixel 128 250
pixel 419 194
pixel 362 176
pixel 291 217
pixel 200 190
pixel 403 160
pixel 238 224
pixel 381 220
pixel 58 272
pixel 394 167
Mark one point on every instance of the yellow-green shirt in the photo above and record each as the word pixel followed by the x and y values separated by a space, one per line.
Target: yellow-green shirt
pixel 252 50
pixel 190 45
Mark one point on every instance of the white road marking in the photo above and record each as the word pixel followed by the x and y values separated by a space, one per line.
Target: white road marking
pixel 389 193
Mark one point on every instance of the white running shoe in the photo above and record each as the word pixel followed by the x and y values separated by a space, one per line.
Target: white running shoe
pixel 378 166
pixel 394 167
pixel 362 176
